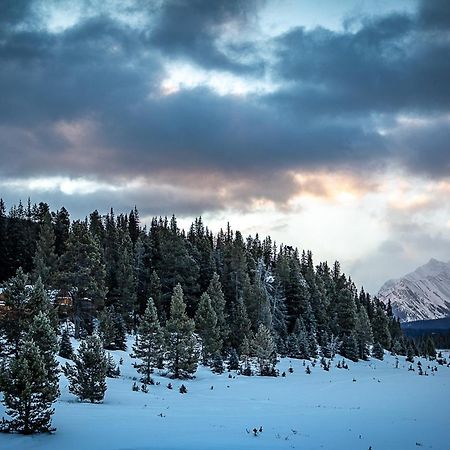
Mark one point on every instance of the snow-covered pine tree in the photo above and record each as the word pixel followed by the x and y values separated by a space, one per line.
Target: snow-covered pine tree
pixel 233 360
pixel 28 392
pixel 182 354
pixel 264 349
pixel 43 335
pixel 149 343
pixel 87 377
pixel 377 351
pixel 39 301
pixel 65 346
pixel 206 326
pixel 14 324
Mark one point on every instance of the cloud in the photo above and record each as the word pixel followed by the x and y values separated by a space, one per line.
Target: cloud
pixel 86 99
pixel 195 30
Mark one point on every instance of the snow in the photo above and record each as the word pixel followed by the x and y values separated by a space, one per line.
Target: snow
pixel 386 408
pixel 422 294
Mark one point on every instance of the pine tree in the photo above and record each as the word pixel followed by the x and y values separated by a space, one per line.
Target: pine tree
pixel 430 348
pixel 126 286
pixel 45 260
pixel 112 329
pixel 182 354
pixel 349 347
pixel 206 326
pixel 218 303
pixel 377 351
pixel 240 325
pixel 233 360
pixel 43 335
pixel 82 274
pixel 15 322
pixel 107 329
pixel 87 377
pixel 265 352
pixel 28 393
pixel 112 370
pixel 39 301
pixel 156 295
pixel 363 333
pixel 65 346
pixel 149 343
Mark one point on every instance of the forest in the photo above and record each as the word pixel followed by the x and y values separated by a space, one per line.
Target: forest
pixel 188 297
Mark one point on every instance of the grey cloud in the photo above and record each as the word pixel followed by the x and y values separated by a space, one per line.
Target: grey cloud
pixel 192 30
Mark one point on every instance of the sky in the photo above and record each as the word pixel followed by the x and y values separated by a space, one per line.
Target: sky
pixel 324 124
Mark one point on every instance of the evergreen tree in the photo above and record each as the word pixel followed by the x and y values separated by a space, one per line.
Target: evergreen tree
pixel 240 325
pixel 265 351
pixel 15 322
pixel 112 329
pixel 87 377
pixel 346 312
pixel 377 351
pixel 43 334
pixel 349 347
pixel 28 393
pixel 363 333
pixel 206 326
pixel 82 274
pixel 39 301
pixel 65 346
pixel 380 327
pixel 156 295
pixel 126 300
pixel 45 260
pixel 233 360
pixel 149 343
pixel 430 348
pixel 182 354
pixel 218 303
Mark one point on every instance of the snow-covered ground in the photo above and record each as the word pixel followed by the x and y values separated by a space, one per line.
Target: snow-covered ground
pixel 385 408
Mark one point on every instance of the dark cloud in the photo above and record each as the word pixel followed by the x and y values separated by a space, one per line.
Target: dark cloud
pixel 86 101
pixel 193 30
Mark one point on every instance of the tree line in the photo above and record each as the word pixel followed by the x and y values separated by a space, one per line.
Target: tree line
pixel 185 295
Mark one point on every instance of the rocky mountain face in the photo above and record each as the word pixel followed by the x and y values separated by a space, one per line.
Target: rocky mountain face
pixel 420 295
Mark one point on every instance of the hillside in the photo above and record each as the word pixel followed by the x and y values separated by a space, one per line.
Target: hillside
pixel 324 410
pixel 420 295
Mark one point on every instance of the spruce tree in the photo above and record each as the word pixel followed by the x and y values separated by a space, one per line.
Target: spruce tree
pixel 112 329
pixel 218 303
pixel 82 274
pixel 240 325
pixel 363 333
pixel 87 377
pixel 265 351
pixel 65 346
pixel 45 260
pixel 377 351
pixel 43 335
pixel 14 324
pixel 181 343
pixel 149 343
pixel 349 347
pixel 206 326
pixel 28 392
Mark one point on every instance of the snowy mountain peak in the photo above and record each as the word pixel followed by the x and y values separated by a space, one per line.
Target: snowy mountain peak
pixel 422 294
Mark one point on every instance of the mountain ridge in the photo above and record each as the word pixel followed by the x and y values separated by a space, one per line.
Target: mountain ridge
pixel 420 295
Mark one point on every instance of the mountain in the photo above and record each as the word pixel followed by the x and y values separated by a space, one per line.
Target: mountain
pixel 420 295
